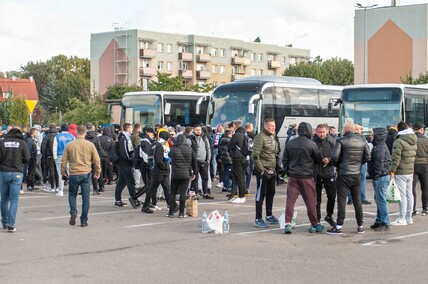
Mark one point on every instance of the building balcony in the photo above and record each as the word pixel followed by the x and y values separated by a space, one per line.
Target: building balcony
pixel 202 74
pixel 147 53
pixel 186 74
pixel 203 57
pixel 236 60
pixel 147 71
pixel 238 76
pixel 274 64
pixel 185 56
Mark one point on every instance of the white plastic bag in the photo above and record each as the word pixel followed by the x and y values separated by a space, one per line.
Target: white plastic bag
pixel 281 220
pixel 392 192
pixel 215 222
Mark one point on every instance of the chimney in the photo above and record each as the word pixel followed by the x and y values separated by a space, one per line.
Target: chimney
pixel 395 3
pixel 14 78
pixel 31 78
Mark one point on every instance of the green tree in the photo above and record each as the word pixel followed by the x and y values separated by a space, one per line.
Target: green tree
pixel 117 91
pixel 95 111
pixel 422 79
pixel 5 107
pixel 165 82
pixel 19 113
pixel 333 71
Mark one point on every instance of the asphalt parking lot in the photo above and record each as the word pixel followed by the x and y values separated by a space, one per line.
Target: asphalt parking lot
pixel 125 245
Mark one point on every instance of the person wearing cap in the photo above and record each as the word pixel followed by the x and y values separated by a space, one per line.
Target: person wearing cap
pixel 402 168
pixel 421 168
pixel 61 140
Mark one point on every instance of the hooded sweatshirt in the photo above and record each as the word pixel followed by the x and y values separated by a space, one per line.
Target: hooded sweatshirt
pixel 14 152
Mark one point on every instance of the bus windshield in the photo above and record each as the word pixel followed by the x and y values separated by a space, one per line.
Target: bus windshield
pixel 145 109
pixel 183 112
pixel 231 105
pixel 371 107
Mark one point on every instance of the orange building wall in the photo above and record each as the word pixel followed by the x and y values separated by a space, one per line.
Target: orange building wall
pixel 389 55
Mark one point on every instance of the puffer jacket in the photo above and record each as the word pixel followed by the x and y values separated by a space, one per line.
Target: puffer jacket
pixel 183 159
pixel 422 150
pixel 404 153
pixel 301 154
pixel 326 147
pixel 223 152
pixel 380 162
pixel 264 152
pixel 350 153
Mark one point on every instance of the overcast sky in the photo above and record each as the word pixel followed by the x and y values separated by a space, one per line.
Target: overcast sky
pixel 37 30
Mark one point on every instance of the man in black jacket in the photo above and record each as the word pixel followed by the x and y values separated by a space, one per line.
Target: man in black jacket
pixel 32 146
pixel 183 167
pixel 49 161
pixel 421 168
pixel 14 153
pixel 145 162
pixel 125 172
pixel 92 136
pixel 106 143
pixel 349 153
pixel 239 165
pixel 378 168
pixel 160 172
pixel 300 157
pixel 325 173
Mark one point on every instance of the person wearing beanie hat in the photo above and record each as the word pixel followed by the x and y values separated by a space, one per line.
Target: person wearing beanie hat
pixel 61 140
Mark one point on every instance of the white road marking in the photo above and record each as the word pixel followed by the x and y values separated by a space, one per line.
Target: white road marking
pixel 396 238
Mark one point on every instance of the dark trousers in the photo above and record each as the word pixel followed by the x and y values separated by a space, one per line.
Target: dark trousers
pixel 53 173
pixel 97 182
pixel 330 189
pixel 344 184
pixel 178 186
pixel 203 171
pixel 239 168
pixel 220 168
pixel 250 168
pixel 266 189
pixel 306 188
pixel 125 178
pixel 39 171
pixel 31 176
pixel 106 168
pixel 421 173
pixel 157 179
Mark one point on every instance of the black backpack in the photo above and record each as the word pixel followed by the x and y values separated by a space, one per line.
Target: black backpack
pixel 114 153
pixel 247 147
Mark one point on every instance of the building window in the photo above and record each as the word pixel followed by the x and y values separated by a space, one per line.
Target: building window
pixel 201 67
pixel 222 52
pixel 271 57
pixel 199 50
pixel 234 53
pixel 160 65
pixel 145 63
pixel 271 73
pixel 253 72
pixel 182 65
pixel 169 48
pixel 214 52
pixel 182 48
pixel 169 66
pixel 253 56
pixel 144 83
pixel 260 72
pixel 222 69
pixel 260 56
pixel 214 69
pixel 160 47
pixel 284 60
pixel 144 45
pixel 292 61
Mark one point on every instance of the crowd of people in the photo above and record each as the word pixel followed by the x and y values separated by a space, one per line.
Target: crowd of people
pixel 186 161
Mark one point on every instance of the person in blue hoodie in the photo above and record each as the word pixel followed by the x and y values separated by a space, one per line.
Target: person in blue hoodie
pixel 61 140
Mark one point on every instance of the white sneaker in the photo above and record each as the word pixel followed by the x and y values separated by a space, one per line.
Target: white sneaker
pixel 46 188
pixel 57 189
pixel 60 193
pixel 155 207
pixel 410 221
pixel 21 192
pixel 238 200
pixel 220 185
pixel 51 190
pixel 399 222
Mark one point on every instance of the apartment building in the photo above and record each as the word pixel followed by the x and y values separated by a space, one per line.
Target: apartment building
pixel 133 56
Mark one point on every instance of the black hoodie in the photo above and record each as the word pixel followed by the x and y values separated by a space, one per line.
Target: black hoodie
pixel 14 152
pixel 380 162
pixel 302 154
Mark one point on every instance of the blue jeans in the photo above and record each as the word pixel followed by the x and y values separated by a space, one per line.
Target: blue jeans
pixel 380 185
pixel 84 181
pixel 227 181
pixel 10 184
pixel 363 183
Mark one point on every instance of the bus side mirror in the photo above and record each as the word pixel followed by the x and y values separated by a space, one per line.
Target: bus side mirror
pixel 167 109
pixel 330 107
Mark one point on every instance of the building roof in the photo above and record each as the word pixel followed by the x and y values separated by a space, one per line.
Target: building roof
pixel 25 87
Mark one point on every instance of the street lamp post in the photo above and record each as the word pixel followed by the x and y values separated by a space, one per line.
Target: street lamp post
pixel 358 5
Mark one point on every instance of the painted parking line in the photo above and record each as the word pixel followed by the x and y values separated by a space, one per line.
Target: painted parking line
pixel 396 238
pixel 92 214
pixel 61 204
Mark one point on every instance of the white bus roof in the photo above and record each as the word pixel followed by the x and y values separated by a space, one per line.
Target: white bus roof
pixel 163 93
pixel 390 85
pixel 283 79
